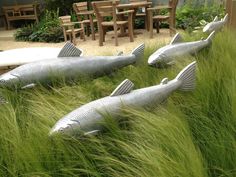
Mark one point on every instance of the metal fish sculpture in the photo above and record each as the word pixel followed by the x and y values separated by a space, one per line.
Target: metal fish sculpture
pixel 177 49
pixel 86 118
pixel 216 24
pixel 17 57
pixel 69 65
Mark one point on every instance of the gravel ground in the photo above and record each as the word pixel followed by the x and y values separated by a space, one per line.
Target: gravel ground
pixel 91 47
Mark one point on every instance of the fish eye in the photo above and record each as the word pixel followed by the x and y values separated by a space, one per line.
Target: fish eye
pixel 61 130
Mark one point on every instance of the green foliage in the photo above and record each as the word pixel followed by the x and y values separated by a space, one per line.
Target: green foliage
pixel 188 17
pixel 193 134
pixel 22 34
pixel 65 6
pixel 48 29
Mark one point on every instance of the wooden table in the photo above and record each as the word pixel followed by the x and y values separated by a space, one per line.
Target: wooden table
pixel 134 6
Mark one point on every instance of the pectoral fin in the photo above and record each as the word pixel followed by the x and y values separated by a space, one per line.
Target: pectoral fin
pixel 29 86
pixel 91 133
pixel 2 100
pixel 120 53
pixel 125 87
pixel 69 50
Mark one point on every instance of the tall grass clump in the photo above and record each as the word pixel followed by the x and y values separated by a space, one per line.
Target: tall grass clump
pixel 192 134
pixel 211 109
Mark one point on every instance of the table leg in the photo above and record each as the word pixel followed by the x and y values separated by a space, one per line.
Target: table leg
pixel 92 26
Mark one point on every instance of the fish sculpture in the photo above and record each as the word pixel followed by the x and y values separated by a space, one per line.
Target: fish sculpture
pixel 216 24
pixel 68 65
pixel 86 118
pixel 20 56
pixel 177 49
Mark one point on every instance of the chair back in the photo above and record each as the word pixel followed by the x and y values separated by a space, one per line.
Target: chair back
pixel 64 20
pixel 81 7
pixel 105 9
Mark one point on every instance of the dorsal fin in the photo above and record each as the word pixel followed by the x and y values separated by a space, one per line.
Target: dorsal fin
pixel 120 53
pixel 176 39
pixel 164 81
pixel 69 50
pixel 125 87
pixel 215 19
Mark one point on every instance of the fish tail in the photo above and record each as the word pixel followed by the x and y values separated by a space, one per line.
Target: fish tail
pixel 138 52
pixel 210 37
pixel 187 77
pixel 226 17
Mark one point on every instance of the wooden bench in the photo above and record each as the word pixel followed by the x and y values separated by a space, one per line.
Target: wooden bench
pixel 20 12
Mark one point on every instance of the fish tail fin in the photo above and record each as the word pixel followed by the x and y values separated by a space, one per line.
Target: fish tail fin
pixel 226 17
pixel 138 52
pixel 187 77
pixel 210 37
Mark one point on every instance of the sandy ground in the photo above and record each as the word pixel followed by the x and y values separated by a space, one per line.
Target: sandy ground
pixel 91 47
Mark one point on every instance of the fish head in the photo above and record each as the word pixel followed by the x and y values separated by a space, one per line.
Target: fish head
pixel 8 79
pixel 65 127
pixel 78 122
pixel 157 59
pixel 208 28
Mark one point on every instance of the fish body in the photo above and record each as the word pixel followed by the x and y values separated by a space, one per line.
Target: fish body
pixel 69 67
pixel 177 48
pixel 216 24
pixel 87 117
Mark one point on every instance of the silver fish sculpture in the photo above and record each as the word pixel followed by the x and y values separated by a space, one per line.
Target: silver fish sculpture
pixel 86 118
pixel 177 49
pixel 69 65
pixel 216 24
pixel 20 56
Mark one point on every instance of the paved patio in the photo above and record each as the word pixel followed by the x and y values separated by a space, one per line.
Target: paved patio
pixel 91 47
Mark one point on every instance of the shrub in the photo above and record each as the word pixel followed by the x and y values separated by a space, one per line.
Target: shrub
pixel 22 34
pixel 64 6
pixel 48 29
pixel 189 17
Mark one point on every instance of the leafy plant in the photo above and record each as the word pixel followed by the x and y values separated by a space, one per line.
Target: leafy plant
pixel 48 29
pixel 188 16
pixel 22 34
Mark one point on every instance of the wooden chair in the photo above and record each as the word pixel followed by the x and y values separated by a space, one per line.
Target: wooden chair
pixel 85 16
pixel 155 16
pixel 70 30
pixel 106 10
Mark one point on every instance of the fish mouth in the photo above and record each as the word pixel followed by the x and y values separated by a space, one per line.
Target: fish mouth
pixel 68 129
pixel 158 62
